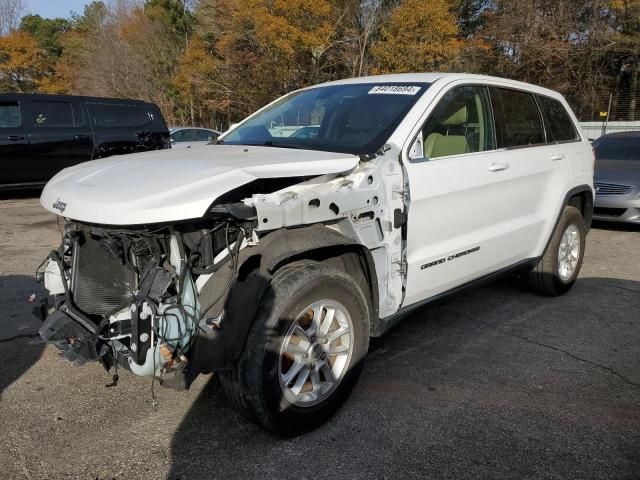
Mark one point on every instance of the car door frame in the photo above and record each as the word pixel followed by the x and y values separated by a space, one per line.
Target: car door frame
pixel 17 165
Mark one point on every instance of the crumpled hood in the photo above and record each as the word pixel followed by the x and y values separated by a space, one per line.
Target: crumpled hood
pixel 170 185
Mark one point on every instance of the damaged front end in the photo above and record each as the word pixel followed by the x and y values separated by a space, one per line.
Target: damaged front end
pixel 127 297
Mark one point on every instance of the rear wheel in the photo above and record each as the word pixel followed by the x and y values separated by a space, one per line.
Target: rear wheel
pixel 305 351
pixel 560 265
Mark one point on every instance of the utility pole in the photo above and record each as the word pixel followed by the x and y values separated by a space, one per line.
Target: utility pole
pixel 633 91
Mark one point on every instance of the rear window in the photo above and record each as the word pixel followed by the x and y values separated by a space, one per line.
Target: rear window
pixel 10 116
pixel 122 116
pixel 517 118
pixel 561 127
pixel 52 114
pixel 617 148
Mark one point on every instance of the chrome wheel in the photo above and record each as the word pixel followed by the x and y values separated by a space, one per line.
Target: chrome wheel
pixel 315 353
pixel 568 252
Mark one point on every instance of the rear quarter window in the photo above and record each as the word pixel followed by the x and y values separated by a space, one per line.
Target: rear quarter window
pixel 559 123
pixel 118 116
pixel 10 116
pixel 518 121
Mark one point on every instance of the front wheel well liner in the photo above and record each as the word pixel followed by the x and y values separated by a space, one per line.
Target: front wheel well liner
pixel 218 349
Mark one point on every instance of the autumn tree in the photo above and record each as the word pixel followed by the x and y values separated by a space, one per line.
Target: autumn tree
pixel 418 36
pixel 246 53
pixel 23 63
pixel 577 47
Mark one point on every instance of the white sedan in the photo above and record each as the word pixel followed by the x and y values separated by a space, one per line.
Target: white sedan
pixel 185 137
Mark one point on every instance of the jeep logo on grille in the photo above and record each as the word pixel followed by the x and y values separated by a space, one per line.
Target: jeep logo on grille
pixel 59 205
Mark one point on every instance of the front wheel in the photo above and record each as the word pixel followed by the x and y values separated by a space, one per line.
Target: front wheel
pixel 304 352
pixel 558 269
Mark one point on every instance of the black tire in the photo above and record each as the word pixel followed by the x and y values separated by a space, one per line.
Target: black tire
pixel 545 278
pixel 254 383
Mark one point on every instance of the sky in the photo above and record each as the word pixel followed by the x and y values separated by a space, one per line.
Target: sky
pixel 55 8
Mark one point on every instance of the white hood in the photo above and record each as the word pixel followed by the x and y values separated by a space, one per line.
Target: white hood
pixel 169 185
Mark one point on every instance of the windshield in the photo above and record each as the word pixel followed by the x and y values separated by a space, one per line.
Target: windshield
pixel 355 118
pixel 618 148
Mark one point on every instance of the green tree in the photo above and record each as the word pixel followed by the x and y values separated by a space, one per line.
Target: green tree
pixel 47 31
pixel 174 15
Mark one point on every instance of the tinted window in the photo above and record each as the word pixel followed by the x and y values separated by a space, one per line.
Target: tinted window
pixel 518 121
pixel 560 126
pixel 52 114
pixel 107 115
pixel 202 135
pixel 617 148
pixel 10 115
pixel 353 118
pixel 460 123
pixel 181 136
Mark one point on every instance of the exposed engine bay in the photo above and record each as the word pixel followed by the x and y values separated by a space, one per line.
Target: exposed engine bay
pixel 129 298
pixel 173 300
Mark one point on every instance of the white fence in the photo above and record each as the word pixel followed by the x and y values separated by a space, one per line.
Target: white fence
pixel 595 129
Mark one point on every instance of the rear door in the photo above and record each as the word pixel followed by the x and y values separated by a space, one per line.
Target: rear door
pixel 14 143
pixel 60 137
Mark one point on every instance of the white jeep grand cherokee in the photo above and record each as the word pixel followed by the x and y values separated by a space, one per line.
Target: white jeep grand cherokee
pixel 273 257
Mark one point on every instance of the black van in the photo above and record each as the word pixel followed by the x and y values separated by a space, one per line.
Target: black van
pixel 42 134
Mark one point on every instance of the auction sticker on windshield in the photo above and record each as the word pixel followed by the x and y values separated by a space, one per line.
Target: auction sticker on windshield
pixel 394 90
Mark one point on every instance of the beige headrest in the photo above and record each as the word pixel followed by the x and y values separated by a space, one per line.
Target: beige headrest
pixel 458 118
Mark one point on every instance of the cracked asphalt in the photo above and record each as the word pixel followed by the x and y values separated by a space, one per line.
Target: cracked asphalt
pixel 492 383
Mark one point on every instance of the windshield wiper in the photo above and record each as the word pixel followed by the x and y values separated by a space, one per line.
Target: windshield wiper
pixel 273 143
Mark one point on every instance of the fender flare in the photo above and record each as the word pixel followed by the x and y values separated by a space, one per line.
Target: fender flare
pixel 587 210
pixel 217 350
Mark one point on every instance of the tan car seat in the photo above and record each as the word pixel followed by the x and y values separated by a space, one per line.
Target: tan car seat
pixel 438 145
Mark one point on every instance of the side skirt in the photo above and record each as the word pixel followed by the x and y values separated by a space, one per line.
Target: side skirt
pixel 387 323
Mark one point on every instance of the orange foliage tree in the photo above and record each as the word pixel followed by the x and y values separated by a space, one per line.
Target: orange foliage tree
pixel 418 36
pixel 23 63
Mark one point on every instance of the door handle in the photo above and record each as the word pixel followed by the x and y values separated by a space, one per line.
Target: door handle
pixel 82 137
pixel 497 166
pixel 557 156
pixel 15 138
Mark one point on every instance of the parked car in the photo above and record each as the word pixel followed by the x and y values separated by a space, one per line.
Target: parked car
pixel 186 137
pixel 42 134
pixel 617 177
pixel 272 260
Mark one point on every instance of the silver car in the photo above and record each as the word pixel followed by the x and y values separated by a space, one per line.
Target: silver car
pixel 185 137
pixel 617 177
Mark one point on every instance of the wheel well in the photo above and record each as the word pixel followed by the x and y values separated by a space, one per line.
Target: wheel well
pixel 583 201
pixel 352 260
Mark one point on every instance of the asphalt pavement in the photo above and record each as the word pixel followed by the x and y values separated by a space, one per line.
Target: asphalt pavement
pixel 495 382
